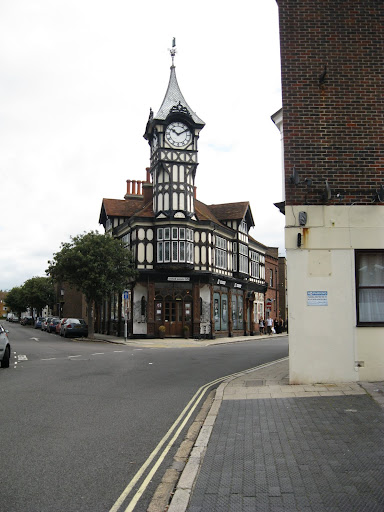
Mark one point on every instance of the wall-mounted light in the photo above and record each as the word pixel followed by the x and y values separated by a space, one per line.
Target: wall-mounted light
pixel 302 218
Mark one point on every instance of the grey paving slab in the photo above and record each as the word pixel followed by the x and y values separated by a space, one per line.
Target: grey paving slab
pixel 321 453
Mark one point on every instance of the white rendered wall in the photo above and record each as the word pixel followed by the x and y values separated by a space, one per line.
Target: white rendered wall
pixel 324 342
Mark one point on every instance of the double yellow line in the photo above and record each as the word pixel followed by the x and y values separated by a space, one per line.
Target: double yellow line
pixel 168 441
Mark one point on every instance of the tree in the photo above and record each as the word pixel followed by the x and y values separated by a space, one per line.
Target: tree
pixel 96 265
pixel 15 300
pixel 38 293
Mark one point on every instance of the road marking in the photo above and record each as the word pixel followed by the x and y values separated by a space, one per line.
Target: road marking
pixel 36 339
pixel 22 358
pixel 119 350
pixel 70 357
pixel 191 406
pixel 98 354
pixel 48 359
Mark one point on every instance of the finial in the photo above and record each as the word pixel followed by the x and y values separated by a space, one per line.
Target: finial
pixel 173 50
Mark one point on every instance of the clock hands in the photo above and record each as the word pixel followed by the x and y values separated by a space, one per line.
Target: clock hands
pixel 179 133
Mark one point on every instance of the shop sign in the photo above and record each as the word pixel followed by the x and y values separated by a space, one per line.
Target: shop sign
pixel 237 285
pixel 223 283
pixel 182 279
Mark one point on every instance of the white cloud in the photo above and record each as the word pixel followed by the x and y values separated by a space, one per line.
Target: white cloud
pixel 77 79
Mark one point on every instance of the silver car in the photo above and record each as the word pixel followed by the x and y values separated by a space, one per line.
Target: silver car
pixel 5 348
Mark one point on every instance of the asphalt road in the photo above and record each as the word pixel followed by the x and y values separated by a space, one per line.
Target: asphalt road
pixel 79 419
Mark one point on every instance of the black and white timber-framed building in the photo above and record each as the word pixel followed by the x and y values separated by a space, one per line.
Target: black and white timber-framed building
pixel 198 267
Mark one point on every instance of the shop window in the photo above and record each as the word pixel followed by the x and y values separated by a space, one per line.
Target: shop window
pixel 369 267
pixel 224 312
pixel 234 312
pixel 216 310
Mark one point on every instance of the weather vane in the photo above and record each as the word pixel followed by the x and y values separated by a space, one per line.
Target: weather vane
pixel 173 50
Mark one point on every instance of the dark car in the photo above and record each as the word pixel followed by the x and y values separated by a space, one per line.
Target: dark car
pixel 51 324
pixel 74 327
pixel 39 320
pixel 26 320
pixel 5 348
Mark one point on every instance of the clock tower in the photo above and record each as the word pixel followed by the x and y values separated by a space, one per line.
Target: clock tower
pixel 173 135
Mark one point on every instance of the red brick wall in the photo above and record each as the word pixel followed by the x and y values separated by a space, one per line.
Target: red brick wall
pixel 333 130
pixel 272 293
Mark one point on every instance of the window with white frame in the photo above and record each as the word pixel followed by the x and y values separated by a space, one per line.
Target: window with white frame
pixel 175 245
pixel 243 258
pixel 369 268
pixel 255 265
pixel 221 252
pixel 243 228
pixel 126 240
pixel 234 257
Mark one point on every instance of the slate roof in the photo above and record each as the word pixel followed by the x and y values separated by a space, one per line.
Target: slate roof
pixel 135 207
pixel 232 211
pixel 173 97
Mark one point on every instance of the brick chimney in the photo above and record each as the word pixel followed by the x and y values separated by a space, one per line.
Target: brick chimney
pixel 147 188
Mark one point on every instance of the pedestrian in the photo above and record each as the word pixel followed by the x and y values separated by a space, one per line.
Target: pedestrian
pixel 261 325
pixel 269 325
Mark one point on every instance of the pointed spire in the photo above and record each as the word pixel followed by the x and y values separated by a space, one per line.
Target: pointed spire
pixel 174 100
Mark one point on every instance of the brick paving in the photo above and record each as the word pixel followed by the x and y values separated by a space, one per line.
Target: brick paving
pixel 275 447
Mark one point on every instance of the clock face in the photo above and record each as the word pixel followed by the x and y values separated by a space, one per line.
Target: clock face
pixel 178 135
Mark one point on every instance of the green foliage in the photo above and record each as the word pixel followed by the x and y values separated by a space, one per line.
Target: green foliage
pixel 38 293
pixel 15 300
pixel 94 263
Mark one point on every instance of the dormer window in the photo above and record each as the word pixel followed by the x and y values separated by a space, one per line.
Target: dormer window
pixel 243 228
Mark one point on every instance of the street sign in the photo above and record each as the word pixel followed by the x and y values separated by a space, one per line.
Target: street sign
pixel 125 294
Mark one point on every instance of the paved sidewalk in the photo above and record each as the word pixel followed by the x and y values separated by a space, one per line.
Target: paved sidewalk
pixel 181 342
pixel 268 446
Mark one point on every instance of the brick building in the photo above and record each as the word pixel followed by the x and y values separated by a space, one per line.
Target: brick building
pixel 332 124
pixel 272 308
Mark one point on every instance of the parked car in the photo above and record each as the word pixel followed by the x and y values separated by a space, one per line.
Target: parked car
pixel 59 326
pixel 5 348
pixel 39 320
pixel 26 320
pixel 74 327
pixel 51 325
pixel 45 322
pixel 12 318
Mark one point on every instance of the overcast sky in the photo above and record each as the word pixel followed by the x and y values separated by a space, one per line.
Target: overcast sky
pixel 77 80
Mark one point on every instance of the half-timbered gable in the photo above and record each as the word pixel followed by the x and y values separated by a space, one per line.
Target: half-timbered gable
pixel 198 268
